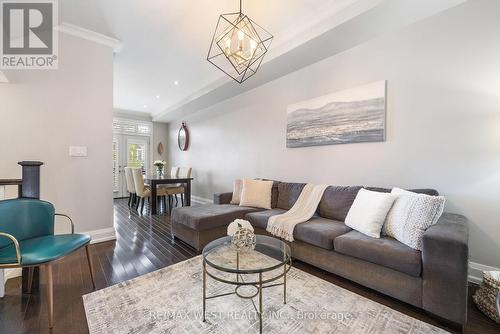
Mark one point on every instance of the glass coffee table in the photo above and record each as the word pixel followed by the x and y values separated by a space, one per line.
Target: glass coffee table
pixel 264 267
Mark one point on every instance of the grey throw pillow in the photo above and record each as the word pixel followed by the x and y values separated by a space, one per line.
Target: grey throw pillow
pixel 411 215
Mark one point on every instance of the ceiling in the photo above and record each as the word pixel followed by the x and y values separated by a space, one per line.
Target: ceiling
pixel 162 65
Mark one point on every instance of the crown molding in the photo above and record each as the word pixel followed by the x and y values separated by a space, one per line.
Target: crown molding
pixel 77 31
pixel 132 114
pixel 3 78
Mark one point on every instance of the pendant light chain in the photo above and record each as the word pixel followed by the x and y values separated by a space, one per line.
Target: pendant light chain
pixel 240 6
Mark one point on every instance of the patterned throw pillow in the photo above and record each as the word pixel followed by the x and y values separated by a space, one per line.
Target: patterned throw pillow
pixel 411 215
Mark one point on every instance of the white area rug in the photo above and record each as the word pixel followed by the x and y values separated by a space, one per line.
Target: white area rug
pixel 170 301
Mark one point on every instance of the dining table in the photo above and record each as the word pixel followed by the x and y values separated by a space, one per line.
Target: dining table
pixel 154 180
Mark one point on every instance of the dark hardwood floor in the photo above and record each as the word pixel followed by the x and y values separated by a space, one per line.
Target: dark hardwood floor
pixel 144 244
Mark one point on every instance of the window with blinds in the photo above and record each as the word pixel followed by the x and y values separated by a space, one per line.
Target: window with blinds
pixel 131 127
pixel 116 161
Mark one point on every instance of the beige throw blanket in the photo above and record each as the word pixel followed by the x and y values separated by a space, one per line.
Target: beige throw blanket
pixel 283 225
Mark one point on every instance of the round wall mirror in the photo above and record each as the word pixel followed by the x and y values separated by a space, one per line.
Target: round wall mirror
pixel 183 137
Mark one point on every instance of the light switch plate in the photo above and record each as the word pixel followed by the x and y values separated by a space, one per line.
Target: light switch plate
pixel 78 151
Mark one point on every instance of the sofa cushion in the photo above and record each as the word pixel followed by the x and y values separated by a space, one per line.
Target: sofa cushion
pixel 320 232
pixel 385 251
pixel 288 193
pixel 207 217
pixel 275 194
pixel 259 219
pixel 337 201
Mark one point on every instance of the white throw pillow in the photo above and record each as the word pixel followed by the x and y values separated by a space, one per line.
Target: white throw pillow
pixel 367 213
pixel 237 187
pixel 256 193
pixel 411 215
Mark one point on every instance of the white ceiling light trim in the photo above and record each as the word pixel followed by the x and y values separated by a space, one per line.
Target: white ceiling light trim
pixel 77 31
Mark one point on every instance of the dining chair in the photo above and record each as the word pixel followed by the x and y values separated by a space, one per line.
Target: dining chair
pixel 174 171
pixel 178 189
pixel 130 186
pixel 27 240
pixel 142 191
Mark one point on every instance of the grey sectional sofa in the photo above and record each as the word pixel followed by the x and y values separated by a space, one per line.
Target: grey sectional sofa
pixel 434 279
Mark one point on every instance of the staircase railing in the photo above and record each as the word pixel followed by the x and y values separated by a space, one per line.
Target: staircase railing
pixel 12 182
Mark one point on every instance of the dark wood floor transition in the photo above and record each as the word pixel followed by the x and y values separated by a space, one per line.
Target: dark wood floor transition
pixel 144 244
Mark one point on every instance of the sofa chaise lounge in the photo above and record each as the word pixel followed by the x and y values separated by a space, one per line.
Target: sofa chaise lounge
pixel 434 279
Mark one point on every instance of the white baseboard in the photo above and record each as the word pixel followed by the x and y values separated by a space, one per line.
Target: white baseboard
pixel 476 271
pixel 11 273
pixel 101 235
pixel 201 200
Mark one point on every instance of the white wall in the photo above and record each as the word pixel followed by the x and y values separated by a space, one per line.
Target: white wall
pixel 160 135
pixel 43 112
pixel 443 122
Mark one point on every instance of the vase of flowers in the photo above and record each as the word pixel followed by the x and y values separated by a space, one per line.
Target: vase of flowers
pixel 160 165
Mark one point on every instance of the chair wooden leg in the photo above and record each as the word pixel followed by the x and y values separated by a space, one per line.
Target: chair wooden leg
pixel 142 205
pixel 129 199
pixel 138 201
pixel 176 200
pixel 182 199
pixel 50 294
pixel 91 265
pixel 30 279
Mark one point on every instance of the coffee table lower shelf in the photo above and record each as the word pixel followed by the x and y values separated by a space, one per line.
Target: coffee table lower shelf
pixel 260 285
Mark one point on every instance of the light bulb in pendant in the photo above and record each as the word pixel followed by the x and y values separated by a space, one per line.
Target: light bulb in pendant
pixel 228 46
pixel 253 45
pixel 241 35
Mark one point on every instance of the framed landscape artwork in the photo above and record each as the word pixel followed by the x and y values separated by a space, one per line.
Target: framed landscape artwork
pixel 353 115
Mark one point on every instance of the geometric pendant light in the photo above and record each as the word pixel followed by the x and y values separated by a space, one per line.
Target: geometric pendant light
pixel 238 46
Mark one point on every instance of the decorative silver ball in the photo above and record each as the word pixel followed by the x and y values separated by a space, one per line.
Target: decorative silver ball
pixel 244 239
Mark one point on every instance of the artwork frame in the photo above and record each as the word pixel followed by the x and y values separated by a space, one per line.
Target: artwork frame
pixel 353 115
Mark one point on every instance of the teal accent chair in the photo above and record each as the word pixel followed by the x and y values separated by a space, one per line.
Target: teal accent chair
pixel 27 240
